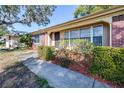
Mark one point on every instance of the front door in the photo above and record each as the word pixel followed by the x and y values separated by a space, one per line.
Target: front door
pixel 57 39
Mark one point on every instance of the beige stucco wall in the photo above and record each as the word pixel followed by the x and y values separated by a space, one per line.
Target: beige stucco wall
pixel 106 35
pixel 52 43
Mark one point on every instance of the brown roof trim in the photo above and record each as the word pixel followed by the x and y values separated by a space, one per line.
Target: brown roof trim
pixel 87 17
pixel 37 32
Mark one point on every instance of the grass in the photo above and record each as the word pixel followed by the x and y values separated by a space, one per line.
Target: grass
pixel 14 74
pixel 19 76
pixel 43 83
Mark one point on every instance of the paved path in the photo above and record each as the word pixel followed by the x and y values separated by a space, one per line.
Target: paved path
pixel 60 77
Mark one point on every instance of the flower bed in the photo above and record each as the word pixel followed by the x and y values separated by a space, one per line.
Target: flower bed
pixel 89 64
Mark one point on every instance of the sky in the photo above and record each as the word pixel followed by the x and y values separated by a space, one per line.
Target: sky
pixel 61 14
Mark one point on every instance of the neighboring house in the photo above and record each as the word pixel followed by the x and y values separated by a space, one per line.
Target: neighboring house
pixel 12 40
pixel 104 28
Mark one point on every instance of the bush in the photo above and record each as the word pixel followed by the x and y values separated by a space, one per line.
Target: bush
pixel 43 83
pixel 83 46
pixel 66 57
pixel 108 63
pixel 63 58
pixel 39 51
pixel 64 62
pixel 45 52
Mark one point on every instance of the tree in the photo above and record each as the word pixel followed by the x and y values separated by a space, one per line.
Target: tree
pixel 3 30
pixel 26 39
pixel 39 14
pixel 82 10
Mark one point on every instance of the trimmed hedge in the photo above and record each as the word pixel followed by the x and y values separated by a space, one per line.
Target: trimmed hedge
pixel 108 63
pixel 45 52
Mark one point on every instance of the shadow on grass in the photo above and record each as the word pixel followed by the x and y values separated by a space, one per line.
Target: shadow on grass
pixel 19 76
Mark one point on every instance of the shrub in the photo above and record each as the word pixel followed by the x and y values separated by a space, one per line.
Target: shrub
pixel 45 52
pixel 63 57
pixel 118 56
pixel 43 83
pixel 39 51
pixel 83 46
pixel 64 62
pixel 66 57
pixel 108 63
pixel 62 53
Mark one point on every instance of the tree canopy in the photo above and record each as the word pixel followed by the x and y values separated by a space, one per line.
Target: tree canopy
pixel 3 30
pixel 82 10
pixel 39 14
pixel 26 39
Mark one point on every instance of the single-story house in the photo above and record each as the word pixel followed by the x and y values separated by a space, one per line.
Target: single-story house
pixel 11 41
pixel 8 41
pixel 103 28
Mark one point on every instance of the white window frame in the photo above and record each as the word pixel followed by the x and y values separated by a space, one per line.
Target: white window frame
pixel 102 31
pixel 69 39
pixel 91 32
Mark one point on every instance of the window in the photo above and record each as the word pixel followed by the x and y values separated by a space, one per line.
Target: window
pixel 75 34
pixel 66 38
pixel 35 39
pixel 97 35
pixel 85 34
pixel 74 37
pixel 66 35
pixel 118 18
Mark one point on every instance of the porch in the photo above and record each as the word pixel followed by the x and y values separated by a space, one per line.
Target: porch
pixel 97 33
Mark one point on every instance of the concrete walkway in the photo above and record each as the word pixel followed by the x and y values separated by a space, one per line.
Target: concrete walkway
pixel 60 77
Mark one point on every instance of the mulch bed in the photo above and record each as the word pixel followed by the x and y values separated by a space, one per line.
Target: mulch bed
pixel 83 70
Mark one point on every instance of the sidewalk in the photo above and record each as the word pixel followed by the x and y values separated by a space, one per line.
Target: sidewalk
pixel 61 77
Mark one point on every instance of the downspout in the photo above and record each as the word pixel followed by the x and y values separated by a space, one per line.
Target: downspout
pixel 110 29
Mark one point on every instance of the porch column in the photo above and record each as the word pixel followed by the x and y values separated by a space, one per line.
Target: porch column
pixel 69 39
pixel 49 39
pixel 91 34
pixel 110 29
pixel 110 34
